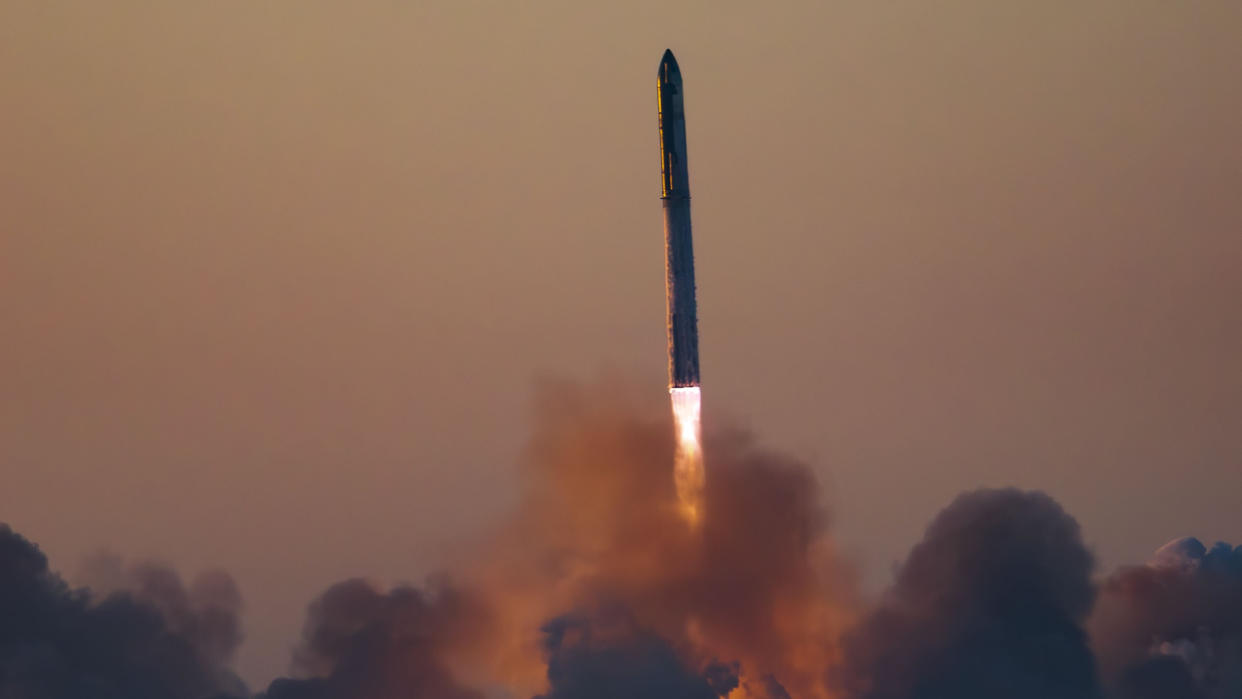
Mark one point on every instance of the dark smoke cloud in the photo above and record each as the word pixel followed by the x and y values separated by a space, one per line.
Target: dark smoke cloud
pixel 61 643
pixel 207 613
pixel 1172 629
pixel 607 656
pixel 989 604
pixel 362 643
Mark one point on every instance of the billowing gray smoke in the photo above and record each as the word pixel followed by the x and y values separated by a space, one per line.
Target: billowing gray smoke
pixel 606 655
pixel 989 604
pixel 998 600
pixel 207 613
pixel 59 643
pixel 1172 629
pixel 361 643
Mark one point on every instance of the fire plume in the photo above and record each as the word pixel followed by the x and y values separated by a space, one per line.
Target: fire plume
pixel 688 471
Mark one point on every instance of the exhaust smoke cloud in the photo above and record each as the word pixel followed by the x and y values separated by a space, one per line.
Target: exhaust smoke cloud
pixel 594 587
pixel 144 636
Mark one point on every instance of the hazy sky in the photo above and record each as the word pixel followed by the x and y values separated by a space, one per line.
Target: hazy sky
pixel 276 276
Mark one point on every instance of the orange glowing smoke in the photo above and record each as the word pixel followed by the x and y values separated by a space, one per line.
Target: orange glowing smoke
pixel 756 580
pixel 688 472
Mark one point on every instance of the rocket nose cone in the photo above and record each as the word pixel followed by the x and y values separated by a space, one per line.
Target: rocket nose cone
pixel 669 71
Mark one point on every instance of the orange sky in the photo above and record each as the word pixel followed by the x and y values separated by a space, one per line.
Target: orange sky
pixel 275 278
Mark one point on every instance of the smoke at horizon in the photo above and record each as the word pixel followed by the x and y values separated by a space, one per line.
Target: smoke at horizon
pixel 595 587
pixel 150 638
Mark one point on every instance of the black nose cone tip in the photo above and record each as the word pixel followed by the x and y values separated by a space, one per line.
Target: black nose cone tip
pixel 668 67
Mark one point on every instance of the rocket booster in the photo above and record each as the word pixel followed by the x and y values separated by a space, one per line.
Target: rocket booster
pixel 683 323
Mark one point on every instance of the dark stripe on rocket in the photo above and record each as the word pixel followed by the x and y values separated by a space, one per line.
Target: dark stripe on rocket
pixel 683 322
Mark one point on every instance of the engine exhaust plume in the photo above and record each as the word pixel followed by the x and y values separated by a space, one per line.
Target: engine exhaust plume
pixel 688 472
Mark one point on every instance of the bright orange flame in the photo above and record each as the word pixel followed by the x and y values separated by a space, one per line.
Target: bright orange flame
pixel 688 472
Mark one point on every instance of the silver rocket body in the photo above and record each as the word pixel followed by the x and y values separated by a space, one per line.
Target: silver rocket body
pixel 683 323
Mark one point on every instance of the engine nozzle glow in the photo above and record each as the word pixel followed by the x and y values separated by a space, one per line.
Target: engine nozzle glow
pixel 688 474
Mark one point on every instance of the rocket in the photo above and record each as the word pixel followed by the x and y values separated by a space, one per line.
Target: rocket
pixel 683 323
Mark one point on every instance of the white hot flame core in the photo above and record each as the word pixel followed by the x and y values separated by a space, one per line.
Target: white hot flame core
pixel 688 472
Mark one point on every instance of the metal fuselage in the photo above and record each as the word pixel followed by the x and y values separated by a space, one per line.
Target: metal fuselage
pixel 683 324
